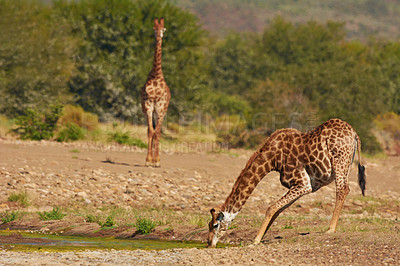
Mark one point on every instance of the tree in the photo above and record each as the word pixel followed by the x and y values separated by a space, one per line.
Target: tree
pixel 116 52
pixel 35 55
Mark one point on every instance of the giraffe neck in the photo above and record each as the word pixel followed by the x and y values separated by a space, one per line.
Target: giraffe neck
pixel 255 169
pixel 156 71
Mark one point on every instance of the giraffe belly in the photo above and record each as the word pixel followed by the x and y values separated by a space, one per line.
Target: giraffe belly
pixel 319 177
pixel 320 181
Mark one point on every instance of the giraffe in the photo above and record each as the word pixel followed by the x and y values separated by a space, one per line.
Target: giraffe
pixel 306 162
pixel 155 96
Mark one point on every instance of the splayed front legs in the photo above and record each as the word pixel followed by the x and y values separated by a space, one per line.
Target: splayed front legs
pixel 273 211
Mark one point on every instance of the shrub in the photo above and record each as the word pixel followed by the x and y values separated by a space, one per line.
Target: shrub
pixel 124 138
pixel 389 122
pixel 21 198
pixel 232 131
pixel 9 216
pixel 5 125
pixel 109 222
pixel 37 126
pixel 77 116
pixel 145 226
pixel 92 219
pixel 54 214
pixel 71 132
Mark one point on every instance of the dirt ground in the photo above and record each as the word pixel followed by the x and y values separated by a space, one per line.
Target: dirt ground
pixel 60 174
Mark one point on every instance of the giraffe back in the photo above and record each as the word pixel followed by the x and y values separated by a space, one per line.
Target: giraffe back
pixel 319 151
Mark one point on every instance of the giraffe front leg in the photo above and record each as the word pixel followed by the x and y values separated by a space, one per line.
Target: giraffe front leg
pixel 273 211
pixel 302 188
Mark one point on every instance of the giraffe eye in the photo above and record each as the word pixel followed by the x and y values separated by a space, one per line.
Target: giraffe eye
pixel 215 225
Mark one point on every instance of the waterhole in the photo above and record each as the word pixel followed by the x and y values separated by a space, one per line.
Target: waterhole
pixel 25 241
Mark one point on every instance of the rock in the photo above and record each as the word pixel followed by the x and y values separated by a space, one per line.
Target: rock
pixel 82 194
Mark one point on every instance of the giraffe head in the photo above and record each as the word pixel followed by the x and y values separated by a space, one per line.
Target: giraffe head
pixel 159 28
pixel 217 227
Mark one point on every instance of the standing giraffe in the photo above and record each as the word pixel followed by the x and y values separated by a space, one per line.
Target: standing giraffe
pixel 306 162
pixel 155 96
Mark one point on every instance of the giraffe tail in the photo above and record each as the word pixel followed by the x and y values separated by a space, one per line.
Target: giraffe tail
pixel 361 168
pixel 154 120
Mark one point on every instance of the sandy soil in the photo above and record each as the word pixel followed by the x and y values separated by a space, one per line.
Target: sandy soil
pixel 55 174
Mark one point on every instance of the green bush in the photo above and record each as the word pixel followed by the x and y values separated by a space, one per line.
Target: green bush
pixel 71 132
pixel 77 116
pixel 92 219
pixel 145 226
pixel 36 126
pixel 9 216
pixel 124 138
pixel 109 222
pixel 21 198
pixel 54 214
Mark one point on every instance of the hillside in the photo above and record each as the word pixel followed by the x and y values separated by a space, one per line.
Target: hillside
pixel 362 18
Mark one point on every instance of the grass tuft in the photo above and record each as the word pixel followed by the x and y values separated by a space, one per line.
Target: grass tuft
pixel 55 214
pixel 21 198
pixel 145 226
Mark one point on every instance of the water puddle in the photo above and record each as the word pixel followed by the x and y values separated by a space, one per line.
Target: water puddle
pixel 24 241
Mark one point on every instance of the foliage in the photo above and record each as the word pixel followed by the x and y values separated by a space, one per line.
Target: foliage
pixel 37 126
pixel 35 57
pixel 5 125
pixel 109 222
pixel 92 219
pixel 122 137
pixel 121 34
pixel 97 54
pixel 77 116
pixel 389 122
pixel 21 198
pixel 9 216
pixel 54 214
pixel 145 226
pixel 71 132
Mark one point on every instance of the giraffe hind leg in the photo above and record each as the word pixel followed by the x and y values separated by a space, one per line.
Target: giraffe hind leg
pixel 157 135
pixel 150 137
pixel 342 190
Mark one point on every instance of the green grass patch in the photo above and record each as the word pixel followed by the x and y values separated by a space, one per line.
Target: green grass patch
pixel 125 138
pixel 145 226
pixel 55 214
pixel 9 216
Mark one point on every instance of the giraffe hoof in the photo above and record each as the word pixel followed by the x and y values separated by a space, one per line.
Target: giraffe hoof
pixel 330 231
pixel 149 164
pixel 156 164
